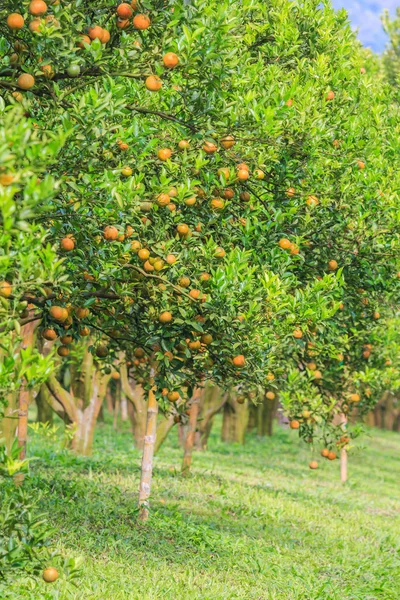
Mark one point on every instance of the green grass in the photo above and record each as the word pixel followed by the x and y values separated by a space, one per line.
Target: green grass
pixel 250 523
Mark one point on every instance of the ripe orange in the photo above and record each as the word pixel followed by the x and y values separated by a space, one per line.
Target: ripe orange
pixel 259 174
pixel 294 424
pixel 363 70
pixel 376 315
pixel 141 22
pixel 170 259
pixel 285 244
pixel 148 267
pixel 366 354
pixel 206 339
pixel 153 83
pixel 143 254
pixel 81 312
pixel 331 455
pixel 84 39
pixel 63 351
pixel 173 396
pixel 164 153
pixel 84 331
pixel 217 204
pixel 184 282
pixel 165 317
pixel 50 574
pixel 190 201
pixel 332 265
pixel 294 249
pixel 183 144
pixel 195 294
pixel 298 334
pixel 15 21
pixel 243 174
pixel 239 361
pixel 224 171
pixel 135 246
pixel 209 147
pixel 95 33
pixel 194 345
pixel 5 289
pixel 219 252
pixel 49 334
pixel 25 81
pixel 317 374
pixel 227 142
pixel 123 23
pixel 182 229
pixel 325 452
pixel 115 375
pixel 67 244
pixel 34 25
pixel 59 313
pixel 361 164
pixel 204 277
pixel 66 339
pixel 105 38
pixel 127 171
pixel 354 398
pixel 313 464
pixel 48 71
pixel 290 192
pixel 170 60
pixel 163 200
pixel 124 11
pixel 18 97
pixel 330 95
pixel 312 201
pixel 37 8
pixel 110 233
pixel 289 102
pixel 270 377
pixel 228 193
pixel 270 396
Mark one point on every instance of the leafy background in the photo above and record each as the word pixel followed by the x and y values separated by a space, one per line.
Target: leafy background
pixel 365 16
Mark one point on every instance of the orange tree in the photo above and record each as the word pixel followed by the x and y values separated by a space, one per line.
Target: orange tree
pixel 220 179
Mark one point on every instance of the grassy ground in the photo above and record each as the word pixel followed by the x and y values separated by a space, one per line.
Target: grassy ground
pixel 250 523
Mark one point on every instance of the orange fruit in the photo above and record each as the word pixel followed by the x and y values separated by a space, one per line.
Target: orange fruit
pixel 376 315
pixel 170 60
pixel 270 377
pixel 105 38
pixel 239 361
pixel 67 244
pixel 141 22
pixel 285 244
pixel 37 8
pixel 124 11
pixel 170 259
pixel 5 289
pixel 153 83
pixel 110 233
pixel 227 142
pixel 63 351
pixel 325 452
pixel 290 192
pixel 143 254
pixel 217 204
pixel 164 153
pixel 34 25
pixel 330 95
pixel 206 339
pixel 66 339
pixel 165 317
pixel 25 81
pixel 82 312
pixel 354 398
pixel 182 229
pixel 123 23
pixel 204 277
pixel 270 396
pixel 313 464
pixel 183 144
pixel 184 282
pixel 195 294
pixel 245 196
pixel 243 174
pixel 190 201
pixel 228 193
pixel 163 200
pixel 294 424
pixel 298 334
pixel 361 164
pixel 49 334
pixel 173 396
pixel 84 331
pixel 259 174
pixel 15 21
pixel 58 313
pixel 115 375
pixel 219 252
pixel 332 265
pixel 209 147
pixel 331 455
pixel 224 171
pixel 95 33
pixel 84 39
pixel 312 201
pixel 50 574
pixel 289 102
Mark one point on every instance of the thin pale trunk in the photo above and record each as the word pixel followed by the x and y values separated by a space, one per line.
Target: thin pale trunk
pixel 213 402
pixel 117 404
pixel 163 430
pixel 343 465
pixel 194 413
pixel 240 421
pixel 226 423
pixel 87 419
pixel 259 417
pixel 148 452
pixel 44 410
pixel 137 410
pixel 268 416
pixel 9 422
pixel 109 401
pixel 124 409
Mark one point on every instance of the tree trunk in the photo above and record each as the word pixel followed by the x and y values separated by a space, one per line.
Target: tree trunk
pixel 87 418
pixel 268 416
pixel 211 403
pixel 148 451
pixel 137 409
pixel 9 422
pixel 117 404
pixel 124 408
pixel 194 413
pixel 44 410
pixel 163 430
pixel 226 431
pixel 259 418
pixel 240 420
pixel 343 465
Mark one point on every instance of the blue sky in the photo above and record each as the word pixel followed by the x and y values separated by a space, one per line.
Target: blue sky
pixel 365 15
